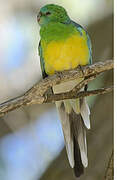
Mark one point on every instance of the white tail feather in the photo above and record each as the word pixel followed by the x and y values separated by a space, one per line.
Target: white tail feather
pixel 70 153
pixel 64 113
pixel 75 104
pixel 64 117
pixel 85 113
pixel 82 144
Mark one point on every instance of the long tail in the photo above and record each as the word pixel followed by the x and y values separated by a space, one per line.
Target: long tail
pixel 74 115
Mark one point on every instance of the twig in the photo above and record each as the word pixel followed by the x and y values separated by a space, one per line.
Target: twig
pixel 109 172
pixel 75 94
pixel 36 95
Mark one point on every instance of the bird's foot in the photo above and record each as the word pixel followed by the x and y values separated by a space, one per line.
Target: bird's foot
pixel 59 74
pixel 80 67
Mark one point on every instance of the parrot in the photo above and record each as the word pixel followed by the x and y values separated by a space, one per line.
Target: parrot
pixel 65 45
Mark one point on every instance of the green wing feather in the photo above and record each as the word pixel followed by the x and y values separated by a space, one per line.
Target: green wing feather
pixel 44 75
pixel 90 48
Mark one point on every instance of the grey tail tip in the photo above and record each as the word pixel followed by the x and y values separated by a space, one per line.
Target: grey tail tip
pixel 78 167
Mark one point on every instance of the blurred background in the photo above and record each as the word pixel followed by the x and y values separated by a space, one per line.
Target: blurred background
pixel 31 139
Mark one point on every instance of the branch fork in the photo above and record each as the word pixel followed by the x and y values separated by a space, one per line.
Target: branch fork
pixel 37 94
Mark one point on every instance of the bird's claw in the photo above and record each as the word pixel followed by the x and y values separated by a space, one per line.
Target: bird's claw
pixel 80 67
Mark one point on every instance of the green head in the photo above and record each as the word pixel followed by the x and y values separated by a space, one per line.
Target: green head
pixel 52 13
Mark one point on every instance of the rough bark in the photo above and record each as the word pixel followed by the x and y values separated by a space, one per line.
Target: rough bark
pixel 37 94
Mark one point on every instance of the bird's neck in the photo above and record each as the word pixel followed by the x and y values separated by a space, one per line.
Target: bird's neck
pixel 56 31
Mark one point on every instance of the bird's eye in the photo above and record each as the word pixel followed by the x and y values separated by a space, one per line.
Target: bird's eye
pixel 48 13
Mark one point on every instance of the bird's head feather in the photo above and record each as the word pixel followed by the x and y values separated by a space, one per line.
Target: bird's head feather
pixel 52 13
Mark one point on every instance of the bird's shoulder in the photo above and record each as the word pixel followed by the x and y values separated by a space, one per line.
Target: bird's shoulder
pixel 78 27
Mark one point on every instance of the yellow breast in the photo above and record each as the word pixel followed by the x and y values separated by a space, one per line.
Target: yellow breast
pixel 64 55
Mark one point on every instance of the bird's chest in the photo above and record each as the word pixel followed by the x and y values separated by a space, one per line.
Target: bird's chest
pixel 65 54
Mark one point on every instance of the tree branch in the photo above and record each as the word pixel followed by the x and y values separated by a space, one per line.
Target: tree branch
pixel 76 94
pixel 110 170
pixel 36 95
